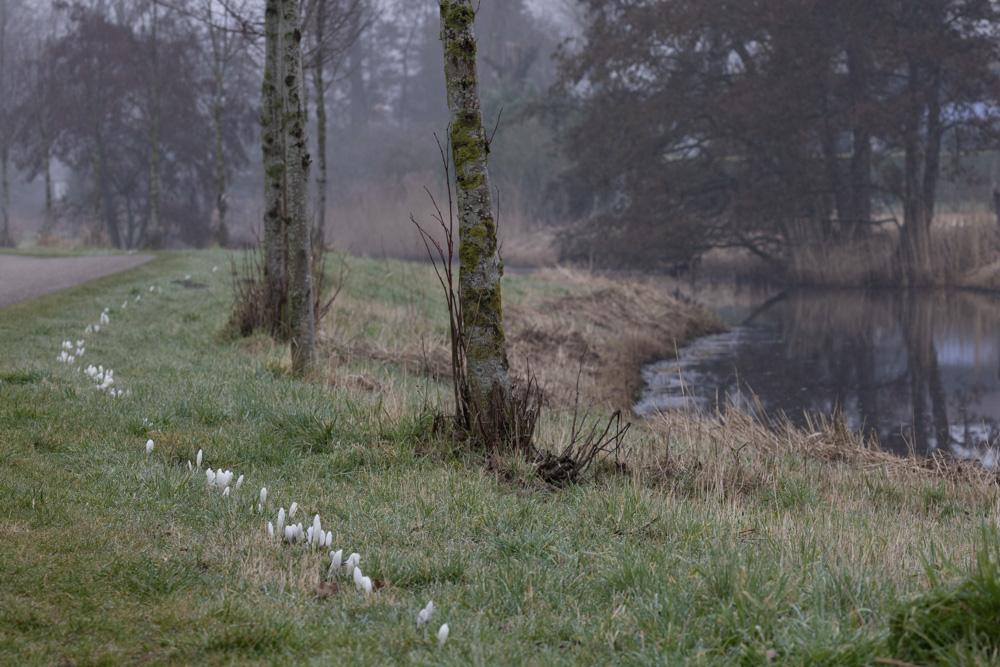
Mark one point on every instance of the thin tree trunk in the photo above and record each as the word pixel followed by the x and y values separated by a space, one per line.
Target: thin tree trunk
pixel 50 219
pixel 221 230
pixel 480 268
pixel 275 244
pixel 320 87
pixel 6 239
pixel 301 313
pixel 155 233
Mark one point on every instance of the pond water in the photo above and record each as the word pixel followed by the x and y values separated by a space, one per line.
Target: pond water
pixel 920 370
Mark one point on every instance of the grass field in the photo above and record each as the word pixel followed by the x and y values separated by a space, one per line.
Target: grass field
pixel 720 543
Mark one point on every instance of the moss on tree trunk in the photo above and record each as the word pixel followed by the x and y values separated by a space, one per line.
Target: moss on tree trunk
pixel 480 266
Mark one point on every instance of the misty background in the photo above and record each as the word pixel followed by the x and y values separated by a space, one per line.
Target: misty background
pixel 824 142
pixel 83 81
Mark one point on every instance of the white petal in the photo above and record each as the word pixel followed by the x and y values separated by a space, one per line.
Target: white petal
pixel 358 578
pixel 225 491
pixel 149 446
pixel 366 585
pixel 239 482
pixel 263 495
pixel 270 529
pixel 198 459
pixel 443 634
pixel 291 510
pixel 281 519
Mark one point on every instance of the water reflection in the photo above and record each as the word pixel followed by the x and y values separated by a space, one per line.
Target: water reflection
pixel 918 369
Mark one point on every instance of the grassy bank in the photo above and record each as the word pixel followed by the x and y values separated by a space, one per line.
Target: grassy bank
pixel 722 542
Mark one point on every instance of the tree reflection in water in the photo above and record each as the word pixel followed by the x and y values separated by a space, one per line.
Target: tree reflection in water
pixel 921 370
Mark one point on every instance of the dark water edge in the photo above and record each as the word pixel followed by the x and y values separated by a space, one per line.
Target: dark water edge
pixel 919 369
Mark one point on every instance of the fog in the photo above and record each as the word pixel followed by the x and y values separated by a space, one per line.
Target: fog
pixel 87 85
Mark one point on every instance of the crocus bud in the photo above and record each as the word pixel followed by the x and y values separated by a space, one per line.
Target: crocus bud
pixel 270 529
pixel 291 510
pixel 358 578
pixel 198 459
pixel 443 634
pixel 366 585
pixel 289 533
pixel 239 483
pixel 263 495
pixel 281 519
pixel 149 446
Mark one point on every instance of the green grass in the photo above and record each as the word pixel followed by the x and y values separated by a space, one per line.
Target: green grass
pixel 109 555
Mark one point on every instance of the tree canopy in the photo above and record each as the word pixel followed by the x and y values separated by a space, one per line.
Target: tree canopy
pixel 766 124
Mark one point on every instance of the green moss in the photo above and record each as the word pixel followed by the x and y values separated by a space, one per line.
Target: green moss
pixel 467 145
pixel 462 49
pixel 459 18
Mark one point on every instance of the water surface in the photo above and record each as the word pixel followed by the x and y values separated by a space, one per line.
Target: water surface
pixel 917 369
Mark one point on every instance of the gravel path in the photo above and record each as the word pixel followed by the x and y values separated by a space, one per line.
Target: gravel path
pixel 24 278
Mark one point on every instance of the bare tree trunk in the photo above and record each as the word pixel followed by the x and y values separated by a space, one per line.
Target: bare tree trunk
pixel 301 312
pixel 320 87
pixel 50 219
pixel 6 240
pixel 275 244
pixel 221 230
pixel 480 266
pixel 155 233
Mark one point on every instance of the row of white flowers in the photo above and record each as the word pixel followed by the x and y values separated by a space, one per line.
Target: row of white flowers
pixel 314 537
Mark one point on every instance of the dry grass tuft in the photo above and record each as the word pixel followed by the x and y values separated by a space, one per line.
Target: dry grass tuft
pixel 614 326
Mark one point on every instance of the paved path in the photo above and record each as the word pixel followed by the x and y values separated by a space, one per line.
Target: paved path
pixel 24 278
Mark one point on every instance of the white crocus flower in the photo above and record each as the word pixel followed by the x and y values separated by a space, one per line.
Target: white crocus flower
pixel 151 288
pixel 263 496
pixel 291 510
pixel 88 330
pixel 225 491
pixel 425 614
pixel 335 558
pixel 443 634
pixel 198 459
pixel 289 534
pixel 270 529
pixel 358 578
pixel 138 297
pixel 239 483
pixel 366 585
pixel 317 531
pixel 190 467
pixel 352 562
pixel 329 538
pixel 281 519
pixel 210 476
pixel 149 446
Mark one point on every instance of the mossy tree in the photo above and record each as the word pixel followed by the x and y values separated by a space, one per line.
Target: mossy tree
pixel 480 267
